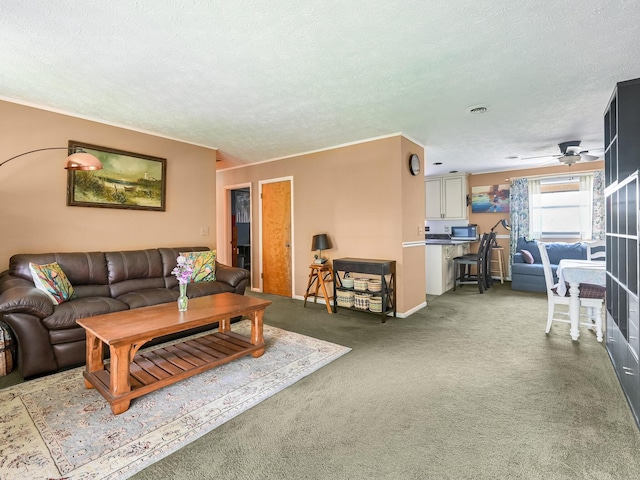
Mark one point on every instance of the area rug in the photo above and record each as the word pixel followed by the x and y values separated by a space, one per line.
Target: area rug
pixel 55 428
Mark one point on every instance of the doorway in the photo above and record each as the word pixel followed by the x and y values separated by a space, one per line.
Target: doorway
pixel 276 236
pixel 241 228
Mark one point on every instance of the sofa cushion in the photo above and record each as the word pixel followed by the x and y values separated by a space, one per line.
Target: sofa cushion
pixel 200 289
pixel 535 269
pixel 51 279
pixel 148 297
pixel 65 315
pixel 560 250
pixel 531 246
pixel 81 268
pixel 135 270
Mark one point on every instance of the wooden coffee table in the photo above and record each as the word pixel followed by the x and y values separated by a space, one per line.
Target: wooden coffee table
pixel 127 375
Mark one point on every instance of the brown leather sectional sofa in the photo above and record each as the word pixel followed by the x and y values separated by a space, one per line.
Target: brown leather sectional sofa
pixel 48 337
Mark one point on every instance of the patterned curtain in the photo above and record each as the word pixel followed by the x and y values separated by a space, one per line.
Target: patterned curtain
pixel 597 215
pixel 519 206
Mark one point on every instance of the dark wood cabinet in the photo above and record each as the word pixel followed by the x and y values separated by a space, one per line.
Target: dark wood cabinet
pixel 384 270
pixel 622 161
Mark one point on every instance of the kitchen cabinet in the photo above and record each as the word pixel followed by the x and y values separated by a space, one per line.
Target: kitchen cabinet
pixel 446 197
pixel 439 266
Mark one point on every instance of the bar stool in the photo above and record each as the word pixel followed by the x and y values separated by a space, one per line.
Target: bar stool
pixel 319 275
pixel 499 261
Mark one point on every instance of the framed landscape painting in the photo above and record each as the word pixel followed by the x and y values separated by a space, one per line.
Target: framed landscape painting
pixel 490 199
pixel 127 180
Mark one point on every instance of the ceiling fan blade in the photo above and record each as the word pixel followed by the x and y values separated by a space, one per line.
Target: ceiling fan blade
pixel 573 150
pixel 540 156
pixel 589 158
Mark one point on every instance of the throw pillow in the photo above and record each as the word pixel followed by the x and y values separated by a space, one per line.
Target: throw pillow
pixel 52 280
pixel 526 255
pixel 204 265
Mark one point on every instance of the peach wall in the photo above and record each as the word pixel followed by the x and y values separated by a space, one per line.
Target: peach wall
pixel 487 220
pixel 357 194
pixel 34 216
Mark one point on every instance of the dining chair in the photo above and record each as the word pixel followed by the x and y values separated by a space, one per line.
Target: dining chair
pixel 591 299
pixel 596 250
pixel 481 260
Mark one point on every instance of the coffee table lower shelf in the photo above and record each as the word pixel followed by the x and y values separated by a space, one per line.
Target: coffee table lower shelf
pixel 152 370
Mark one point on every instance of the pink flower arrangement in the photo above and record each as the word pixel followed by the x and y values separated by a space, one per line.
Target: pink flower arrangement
pixel 183 270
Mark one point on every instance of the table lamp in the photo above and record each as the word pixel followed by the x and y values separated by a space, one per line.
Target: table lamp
pixel 320 242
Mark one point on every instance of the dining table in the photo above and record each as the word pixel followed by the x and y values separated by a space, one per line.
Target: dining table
pixel 574 273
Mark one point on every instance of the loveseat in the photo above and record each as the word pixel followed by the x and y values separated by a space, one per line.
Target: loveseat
pixel 48 337
pixel 527 272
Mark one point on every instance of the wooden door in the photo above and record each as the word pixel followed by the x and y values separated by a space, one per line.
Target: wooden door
pixel 276 238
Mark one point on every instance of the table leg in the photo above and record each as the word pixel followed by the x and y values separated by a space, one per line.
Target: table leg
pixel 325 293
pixel 119 378
pixel 257 337
pixel 94 354
pixel 574 310
pixel 309 285
pixel 224 325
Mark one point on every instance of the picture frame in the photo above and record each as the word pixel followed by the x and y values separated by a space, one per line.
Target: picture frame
pixel 490 199
pixel 127 180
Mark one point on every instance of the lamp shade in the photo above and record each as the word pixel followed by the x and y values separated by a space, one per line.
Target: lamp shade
pixel 82 161
pixel 320 242
pixel 502 222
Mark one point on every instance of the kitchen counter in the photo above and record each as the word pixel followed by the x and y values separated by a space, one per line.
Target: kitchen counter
pixel 446 242
pixel 439 256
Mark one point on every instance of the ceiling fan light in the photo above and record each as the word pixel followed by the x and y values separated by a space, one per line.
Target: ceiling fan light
pixel 569 159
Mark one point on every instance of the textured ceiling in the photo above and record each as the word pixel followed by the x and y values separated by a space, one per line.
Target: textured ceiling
pixel 261 80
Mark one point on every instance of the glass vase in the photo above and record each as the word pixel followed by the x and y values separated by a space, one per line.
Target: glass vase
pixel 183 300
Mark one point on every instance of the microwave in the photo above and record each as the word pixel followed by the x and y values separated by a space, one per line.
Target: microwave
pixel 468 232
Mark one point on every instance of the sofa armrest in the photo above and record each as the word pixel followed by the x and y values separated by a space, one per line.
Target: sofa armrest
pixel 26 300
pixel 517 258
pixel 231 275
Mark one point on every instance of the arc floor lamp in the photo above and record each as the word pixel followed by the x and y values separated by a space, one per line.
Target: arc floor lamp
pixel 78 159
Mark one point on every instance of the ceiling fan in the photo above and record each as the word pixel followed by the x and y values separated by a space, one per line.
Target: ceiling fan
pixel 570 153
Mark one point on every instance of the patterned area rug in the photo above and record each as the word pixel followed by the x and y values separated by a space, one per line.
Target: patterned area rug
pixel 55 428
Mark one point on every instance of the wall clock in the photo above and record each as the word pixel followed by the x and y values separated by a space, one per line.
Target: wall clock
pixel 414 164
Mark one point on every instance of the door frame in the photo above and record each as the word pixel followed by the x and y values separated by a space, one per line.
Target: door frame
pixel 293 236
pixel 227 221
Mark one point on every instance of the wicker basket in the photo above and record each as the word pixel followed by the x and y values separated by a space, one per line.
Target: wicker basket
pixel 374 285
pixel 360 284
pixel 362 301
pixel 345 299
pixel 347 282
pixel 375 304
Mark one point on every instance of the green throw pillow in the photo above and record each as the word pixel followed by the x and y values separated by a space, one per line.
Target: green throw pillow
pixel 204 265
pixel 52 280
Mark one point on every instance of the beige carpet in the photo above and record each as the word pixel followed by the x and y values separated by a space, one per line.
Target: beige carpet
pixel 53 427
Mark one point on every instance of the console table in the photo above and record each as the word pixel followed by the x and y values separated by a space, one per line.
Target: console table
pixel 384 269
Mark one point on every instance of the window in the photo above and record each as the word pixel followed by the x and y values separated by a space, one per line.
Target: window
pixel 560 207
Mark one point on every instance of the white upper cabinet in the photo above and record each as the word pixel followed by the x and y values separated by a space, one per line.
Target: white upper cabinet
pixel 446 197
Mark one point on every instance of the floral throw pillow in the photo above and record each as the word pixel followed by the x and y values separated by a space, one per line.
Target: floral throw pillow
pixel 204 265
pixel 52 280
